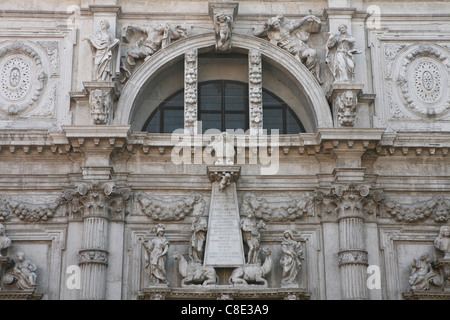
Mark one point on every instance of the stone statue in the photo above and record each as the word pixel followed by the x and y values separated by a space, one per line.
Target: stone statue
pixel 422 273
pixel 151 39
pixel 292 36
pixel 5 242
pixel 224 149
pixel 442 241
pixel 195 273
pixel 156 256
pixel 199 229
pixel 290 261
pixel 24 271
pixel 340 53
pixel 223 27
pixel 251 236
pixel 252 273
pixel 104 48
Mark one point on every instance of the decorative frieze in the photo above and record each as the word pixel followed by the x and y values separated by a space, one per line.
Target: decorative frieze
pixel 30 212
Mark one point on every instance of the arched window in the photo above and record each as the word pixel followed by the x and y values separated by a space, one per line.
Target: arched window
pixel 223 105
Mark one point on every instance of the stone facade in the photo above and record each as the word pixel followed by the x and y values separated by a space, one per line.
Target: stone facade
pixel 356 207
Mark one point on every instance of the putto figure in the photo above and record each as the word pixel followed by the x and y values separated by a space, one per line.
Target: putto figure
pixel 104 49
pixel 292 36
pixel 223 28
pixel 340 53
pixel 156 256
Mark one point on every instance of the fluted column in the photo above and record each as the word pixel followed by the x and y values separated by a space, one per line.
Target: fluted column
pixel 352 254
pixel 96 204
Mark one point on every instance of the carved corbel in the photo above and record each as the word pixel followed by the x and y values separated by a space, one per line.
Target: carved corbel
pixel 223 14
pixel 344 100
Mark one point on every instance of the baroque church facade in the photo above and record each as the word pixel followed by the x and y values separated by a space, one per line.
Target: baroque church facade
pixel 225 150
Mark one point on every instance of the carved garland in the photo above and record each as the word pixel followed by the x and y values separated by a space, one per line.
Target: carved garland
pixel 255 91
pixel 171 210
pixel 190 90
pixel 276 211
pixel 22 78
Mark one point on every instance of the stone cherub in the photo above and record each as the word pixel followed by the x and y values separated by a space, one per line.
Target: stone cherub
pixel 293 36
pixel 422 273
pixel 223 27
pixel 104 49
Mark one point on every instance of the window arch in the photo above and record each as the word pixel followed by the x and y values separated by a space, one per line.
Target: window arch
pixel 223 104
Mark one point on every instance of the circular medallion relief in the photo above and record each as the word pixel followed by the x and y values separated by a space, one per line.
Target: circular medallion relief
pixel 427 81
pixel 423 81
pixel 15 75
pixel 22 78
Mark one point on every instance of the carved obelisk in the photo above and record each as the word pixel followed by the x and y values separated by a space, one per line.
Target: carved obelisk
pixel 224 246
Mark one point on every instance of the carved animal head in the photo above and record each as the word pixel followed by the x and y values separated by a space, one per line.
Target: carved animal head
pixel 267 251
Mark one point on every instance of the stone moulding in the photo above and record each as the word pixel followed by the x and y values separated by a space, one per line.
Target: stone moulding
pixel 223 292
pixel 171 210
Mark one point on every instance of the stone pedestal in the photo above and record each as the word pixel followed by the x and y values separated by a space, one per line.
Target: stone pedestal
pixel 102 95
pixel 224 246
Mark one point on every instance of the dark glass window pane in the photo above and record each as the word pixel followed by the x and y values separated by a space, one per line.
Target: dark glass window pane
pixel 173 119
pixel 153 125
pixel 176 101
pixel 235 121
pixel 211 121
pixel 273 119
pixel 292 124
pixel 211 103
pixel 270 101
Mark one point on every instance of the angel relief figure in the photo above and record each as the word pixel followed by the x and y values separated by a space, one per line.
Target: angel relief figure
pixel 293 36
pixel 149 40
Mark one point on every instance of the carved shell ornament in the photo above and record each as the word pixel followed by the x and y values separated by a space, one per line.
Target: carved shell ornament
pixel 22 78
pixel 422 81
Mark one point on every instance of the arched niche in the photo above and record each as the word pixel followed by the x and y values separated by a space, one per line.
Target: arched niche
pixel 163 74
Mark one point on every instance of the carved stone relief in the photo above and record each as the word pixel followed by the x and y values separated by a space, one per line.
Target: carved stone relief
pixel 190 90
pixel 255 91
pixel 438 209
pixel 146 40
pixel 22 78
pixel 293 36
pixel 27 211
pixel 101 105
pixel 417 80
pixel 277 210
pixel 171 210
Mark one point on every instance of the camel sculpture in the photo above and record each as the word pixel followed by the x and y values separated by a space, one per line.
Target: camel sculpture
pixel 252 272
pixel 195 273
